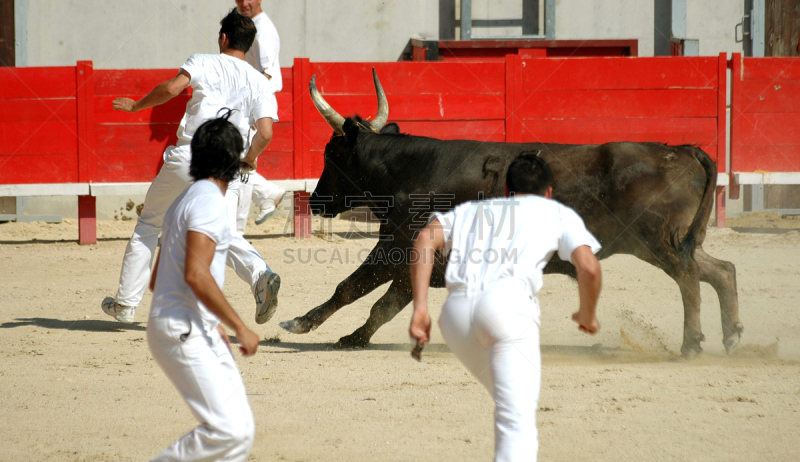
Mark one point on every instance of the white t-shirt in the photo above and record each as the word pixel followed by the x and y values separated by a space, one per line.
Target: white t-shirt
pixel 221 81
pixel 200 208
pixel 509 238
pixel 264 53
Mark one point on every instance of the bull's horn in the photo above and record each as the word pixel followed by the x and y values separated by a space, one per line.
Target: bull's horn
pixel 383 104
pixel 332 117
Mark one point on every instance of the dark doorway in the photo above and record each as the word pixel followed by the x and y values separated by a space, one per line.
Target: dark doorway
pixel 6 32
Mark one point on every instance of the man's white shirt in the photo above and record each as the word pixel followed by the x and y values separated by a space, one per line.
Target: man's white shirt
pixel 264 53
pixel 200 208
pixel 509 238
pixel 220 81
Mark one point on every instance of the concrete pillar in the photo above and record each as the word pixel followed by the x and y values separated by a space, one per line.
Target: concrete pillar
pixel 757 26
pixel 669 22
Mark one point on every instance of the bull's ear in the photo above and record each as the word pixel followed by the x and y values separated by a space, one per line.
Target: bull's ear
pixel 390 129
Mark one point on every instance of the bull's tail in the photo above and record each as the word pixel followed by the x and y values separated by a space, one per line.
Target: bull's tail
pixel 697 230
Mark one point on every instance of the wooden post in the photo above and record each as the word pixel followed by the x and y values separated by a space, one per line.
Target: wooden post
pixel 722 101
pixel 736 69
pixel 720 206
pixel 302 144
pixel 84 96
pixel 302 215
pixel 513 126
pixel 87 220
pixel 722 133
pixel 301 126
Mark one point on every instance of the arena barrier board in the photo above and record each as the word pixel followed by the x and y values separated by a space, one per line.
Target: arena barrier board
pixel 58 126
pixel 765 121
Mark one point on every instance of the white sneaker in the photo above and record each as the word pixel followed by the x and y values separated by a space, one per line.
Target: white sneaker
pixel 269 206
pixel 267 296
pixel 119 312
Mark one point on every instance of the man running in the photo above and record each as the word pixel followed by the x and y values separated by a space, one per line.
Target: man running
pixel 490 320
pixel 218 81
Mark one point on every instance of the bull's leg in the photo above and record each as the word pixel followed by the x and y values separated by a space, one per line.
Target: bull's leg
pixel 383 311
pixel 366 278
pixel 721 275
pixel 686 274
pixel 689 282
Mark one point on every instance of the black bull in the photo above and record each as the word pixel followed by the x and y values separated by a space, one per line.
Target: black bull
pixel 649 200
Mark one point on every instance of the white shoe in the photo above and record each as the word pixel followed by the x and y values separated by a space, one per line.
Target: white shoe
pixel 267 296
pixel 268 207
pixel 119 312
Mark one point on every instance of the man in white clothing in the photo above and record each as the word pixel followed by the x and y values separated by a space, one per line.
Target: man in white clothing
pixel 221 81
pixel 498 249
pixel 184 332
pixel 263 56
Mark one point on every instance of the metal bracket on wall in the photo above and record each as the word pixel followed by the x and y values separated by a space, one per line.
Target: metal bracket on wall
pixel 549 22
pixel 752 25
pixel 745 25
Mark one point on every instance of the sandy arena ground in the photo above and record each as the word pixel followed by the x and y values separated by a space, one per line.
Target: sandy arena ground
pixel 79 386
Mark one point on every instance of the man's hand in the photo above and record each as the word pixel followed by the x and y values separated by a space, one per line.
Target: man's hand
pixel 425 245
pixel 587 323
pixel 590 280
pixel 420 328
pixel 200 251
pixel 251 163
pixel 260 141
pixel 248 341
pixel 162 93
pixel 124 104
pixel 224 334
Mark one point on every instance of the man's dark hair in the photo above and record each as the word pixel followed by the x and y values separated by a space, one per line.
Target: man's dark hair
pixel 240 29
pixel 216 149
pixel 528 174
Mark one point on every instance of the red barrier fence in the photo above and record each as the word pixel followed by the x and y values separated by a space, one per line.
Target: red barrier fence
pixel 765 121
pixel 57 125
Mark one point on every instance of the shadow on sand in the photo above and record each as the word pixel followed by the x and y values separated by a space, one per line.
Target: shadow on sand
pixel 87 325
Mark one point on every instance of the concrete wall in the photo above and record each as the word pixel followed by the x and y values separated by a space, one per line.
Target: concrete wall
pixel 713 23
pixel 710 21
pixel 603 19
pixel 121 35
pixel 346 30
pixel 162 34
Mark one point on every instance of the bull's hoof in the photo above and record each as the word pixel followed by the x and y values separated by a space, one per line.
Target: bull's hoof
pixel 690 354
pixel 297 326
pixel 691 346
pixel 733 341
pixel 351 341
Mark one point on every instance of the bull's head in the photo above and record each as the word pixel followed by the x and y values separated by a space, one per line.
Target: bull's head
pixel 342 177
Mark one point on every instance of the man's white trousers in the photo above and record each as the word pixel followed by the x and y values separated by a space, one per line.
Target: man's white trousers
pixel 200 366
pixel 494 332
pixel 171 181
pixel 257 190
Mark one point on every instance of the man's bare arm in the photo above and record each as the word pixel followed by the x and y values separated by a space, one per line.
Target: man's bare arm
pixel 260 141
pixel 197 274
pixel 430 239
pixel 590 281
pixel 154 275
pixel 162 93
